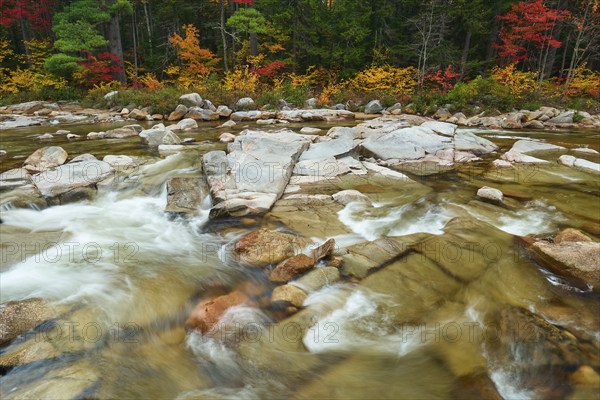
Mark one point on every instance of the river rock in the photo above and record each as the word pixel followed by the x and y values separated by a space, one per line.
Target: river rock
pixel 208 312
pixel 3 153
pixel 226 137
pixel 563 118
pixel 289 294
pixel 228 124
pixel 516 157
pixel 317 278
pixel 120 133
pixel 530 146
pixel 17 317
pixel 585 150
pixel 346 197
pixel 138 114
pixel 373 107
pixel 578 262
pixel 185 124
pixel 200 114
pixel 488 193
pixel 191 100
pixel 254 174
pixel 158 135
pixel 245 103
pixel 441 128
pixel 45 158
pixel 442 114
pixel 288 269
pixel 69 180
pixel 45 136
pixel 178 113
pixel 307 130
pixel 579 163
pixel 119 161
pixel 265 247
pixel 208 105
pixel 315 115
pixel 571 235
pixel 14 178
pixel 224 111
pixel 30 107
pixel 534 125
pixel 184 195
pixel 71 136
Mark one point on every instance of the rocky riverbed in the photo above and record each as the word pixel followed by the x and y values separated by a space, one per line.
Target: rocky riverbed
pixel 314 255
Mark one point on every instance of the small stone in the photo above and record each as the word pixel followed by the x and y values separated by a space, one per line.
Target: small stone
pixel 226 137
pixel 228 124
pixel 489 193
pixel 45 136
pixel 310 131
pixel 571 235
pixel 71 136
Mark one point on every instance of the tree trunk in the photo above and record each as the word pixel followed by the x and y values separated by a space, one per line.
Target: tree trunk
pixel 223 37
pixel 253 44
pixel 115 47
pixel 465 54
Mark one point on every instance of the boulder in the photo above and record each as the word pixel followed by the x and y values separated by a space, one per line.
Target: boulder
pixel 224 111
pixel 226 137
pixel 315 115
pixel 465 140
pixel 346 197
pixel 442 114
pixel 191 100
pixel 571 235
pixel 530 146
pixel 208 105
pixel 200 114
pixel 185 124
pixel 289 294
pixel 71 136
pixel 441 128
pixel 534 125
pixel 119 133
pixel 184 195
pixel 265 247
pixel 17 317
pixel 394 108
pixel 254 174
pixel 208 312
pixel 69 181
pixel 245 103
pixel 45 136
pixel 288 269
pixel 311 103
pixel 158 135
pixel 14 178
pixel 373 107
pixel 228 124
pixel 491 194
pixel 138 114
pixel 29 107
pixel 317 278
pixel 119 161
pixel 310 131
pixel 563 118
pixel 579 163
pixel 178 113
pixel 45 158
pixel 578 262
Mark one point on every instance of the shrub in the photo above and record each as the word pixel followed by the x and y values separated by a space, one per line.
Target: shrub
pixel 521 84
pixel 62 65
pixel 398 81
pixel 585 82
pixel 241 80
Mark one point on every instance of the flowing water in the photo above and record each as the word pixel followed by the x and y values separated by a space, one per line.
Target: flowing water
pixel 122 277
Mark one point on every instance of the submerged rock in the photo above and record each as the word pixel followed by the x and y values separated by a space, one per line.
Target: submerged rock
pixel 184 195
pixel 17 317
pixel 289 294
pixel 208 312
pixel 265 247
pixel 288 269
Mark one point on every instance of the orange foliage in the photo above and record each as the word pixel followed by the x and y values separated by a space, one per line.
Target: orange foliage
pixel 195 60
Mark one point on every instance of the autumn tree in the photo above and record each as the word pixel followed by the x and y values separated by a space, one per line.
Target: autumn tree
pixel 586 21
pixel 527 29
pixel 195 61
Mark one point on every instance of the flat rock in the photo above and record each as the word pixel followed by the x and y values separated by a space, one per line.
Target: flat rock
pixel 184 195
pixel 45 158
pixel 265 247
pixel 288 269
pixel 530 146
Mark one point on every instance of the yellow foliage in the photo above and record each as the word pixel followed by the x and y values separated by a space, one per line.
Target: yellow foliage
pixel 329 93
pixel 101 88
pixel 241 80
pixel 5 50
pixel 151 81
pixel 584 82
pixel 21 80
pixel 306 79
pixel 40 50
pixel 520 83
pixel 399 81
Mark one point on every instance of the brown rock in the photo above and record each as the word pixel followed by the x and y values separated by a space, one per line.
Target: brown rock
pixel 578 262
pixel 288 294
pixel 45 158
pixel 209 311
pixel 17 317
pixel 288 269
pixel 138 114
pixel 336 262
pixel 571 235
pixel 265 247
pixel 324 251
pixel 475 386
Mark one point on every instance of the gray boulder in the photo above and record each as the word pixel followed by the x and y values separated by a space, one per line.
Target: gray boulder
pixel 200 114
pixel 245 103
pixel 158 135
pixel 45 158
pixel 191 100
pixel 178 113
pixel 488 193
pixel 184 195
pixel 373 107
pixel 224 111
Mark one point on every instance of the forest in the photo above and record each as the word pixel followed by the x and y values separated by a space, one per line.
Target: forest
pixel 486 53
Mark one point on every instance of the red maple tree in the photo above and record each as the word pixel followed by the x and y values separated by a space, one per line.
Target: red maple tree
pixel 528 24
pixel 37 12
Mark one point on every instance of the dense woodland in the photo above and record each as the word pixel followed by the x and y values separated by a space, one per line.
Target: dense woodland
pixel 330 49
